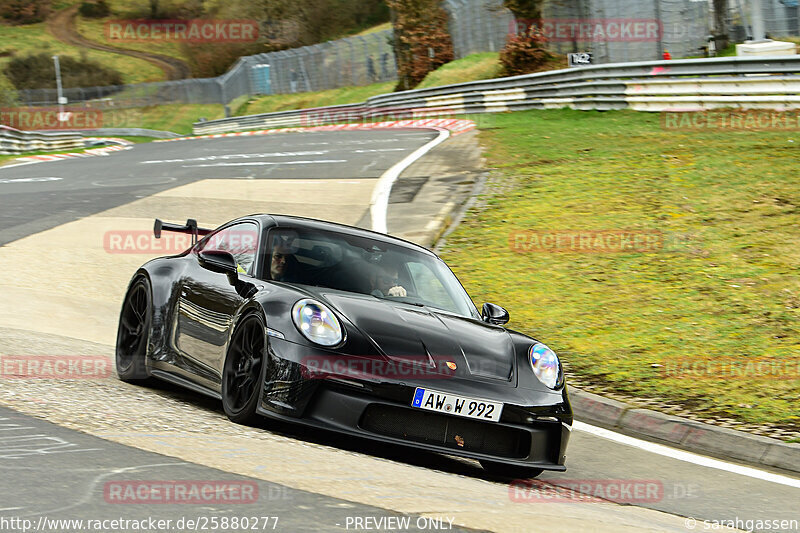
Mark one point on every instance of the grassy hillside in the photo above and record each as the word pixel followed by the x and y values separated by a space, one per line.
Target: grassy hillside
pixel 95 29
pixel 473 67
pixel 34 39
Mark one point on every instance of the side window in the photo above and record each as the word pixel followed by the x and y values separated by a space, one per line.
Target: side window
pixel 240 240
pixel 428 286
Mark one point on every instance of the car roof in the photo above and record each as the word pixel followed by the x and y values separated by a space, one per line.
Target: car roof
pixel 323 225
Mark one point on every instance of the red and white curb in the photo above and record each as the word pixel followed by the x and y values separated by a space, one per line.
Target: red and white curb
pixel 104 151
pixel 454 126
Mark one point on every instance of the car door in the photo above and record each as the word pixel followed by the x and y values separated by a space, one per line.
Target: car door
pixel 208 301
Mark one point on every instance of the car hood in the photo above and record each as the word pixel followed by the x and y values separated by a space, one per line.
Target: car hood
pixel 421 335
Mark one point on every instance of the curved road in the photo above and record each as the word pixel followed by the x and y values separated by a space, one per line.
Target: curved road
pixel 62 26
pixel 65 282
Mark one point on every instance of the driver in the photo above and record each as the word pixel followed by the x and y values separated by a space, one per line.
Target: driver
pixel 283 263
pixel 386 282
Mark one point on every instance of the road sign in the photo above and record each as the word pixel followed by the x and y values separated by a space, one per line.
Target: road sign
pixel 581 59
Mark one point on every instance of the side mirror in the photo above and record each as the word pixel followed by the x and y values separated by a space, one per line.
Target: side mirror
pixel 221 262
pixel 494 314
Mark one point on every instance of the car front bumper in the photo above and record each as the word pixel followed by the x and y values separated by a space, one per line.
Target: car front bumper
pixel 533 431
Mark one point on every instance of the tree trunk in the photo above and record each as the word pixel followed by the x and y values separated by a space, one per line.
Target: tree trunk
pixel 527 13
pixel 720 23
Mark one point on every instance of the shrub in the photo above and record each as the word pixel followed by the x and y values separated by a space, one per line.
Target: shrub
pixel 24 11
pixel 422 42
pixel 208 60
pixel 8 95
pixel 94 9
pixel 525 52
pixel 38 72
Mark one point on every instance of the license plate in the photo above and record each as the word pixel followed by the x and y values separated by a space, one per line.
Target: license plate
pixel 451 404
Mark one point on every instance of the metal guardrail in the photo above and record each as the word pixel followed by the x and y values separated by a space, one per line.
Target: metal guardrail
pixel 15 141
pixel 685 85
pixel 124 132
pixel 294 118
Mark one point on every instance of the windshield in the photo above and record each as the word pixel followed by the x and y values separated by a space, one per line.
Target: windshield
pixel 366 266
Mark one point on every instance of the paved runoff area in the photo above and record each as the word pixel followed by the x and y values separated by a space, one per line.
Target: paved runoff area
pixel 93 448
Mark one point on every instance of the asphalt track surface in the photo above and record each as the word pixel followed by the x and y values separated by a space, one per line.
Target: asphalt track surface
pixel 54 478
pixel 37 197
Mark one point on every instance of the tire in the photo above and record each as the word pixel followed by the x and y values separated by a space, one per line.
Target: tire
pixel 133 332
pixel 241 375
pixel 510 471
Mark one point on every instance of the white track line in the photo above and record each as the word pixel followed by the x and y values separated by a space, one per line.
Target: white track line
pixel 379 204
pixel 688 457
pixel 267 163
pixel 28 180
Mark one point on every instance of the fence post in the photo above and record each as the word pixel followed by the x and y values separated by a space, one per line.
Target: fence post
pixel 368 77
pixel 352 61
pixel 303 69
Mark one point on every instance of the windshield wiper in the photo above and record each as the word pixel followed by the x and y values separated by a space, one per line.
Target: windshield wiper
pixel 401 300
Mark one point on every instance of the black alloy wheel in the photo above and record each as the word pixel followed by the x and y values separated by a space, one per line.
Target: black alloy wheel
pixel 133 333
pixel 241 376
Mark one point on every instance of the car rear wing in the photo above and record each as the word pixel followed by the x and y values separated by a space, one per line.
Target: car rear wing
pixel 190 227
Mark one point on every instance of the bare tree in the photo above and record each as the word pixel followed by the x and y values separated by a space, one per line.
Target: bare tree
pixel 529 11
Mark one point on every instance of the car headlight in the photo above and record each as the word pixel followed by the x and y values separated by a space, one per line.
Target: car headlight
pixel 317 323
pixel 546 366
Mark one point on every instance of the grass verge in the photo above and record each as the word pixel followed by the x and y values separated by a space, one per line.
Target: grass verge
pixel 177 118
pixel 284 102
pixel 709 319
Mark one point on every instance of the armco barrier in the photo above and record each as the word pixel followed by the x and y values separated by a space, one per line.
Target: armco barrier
pixel 681 85
pixel 14 141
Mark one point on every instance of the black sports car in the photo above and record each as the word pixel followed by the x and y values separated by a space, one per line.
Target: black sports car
pixel 348 330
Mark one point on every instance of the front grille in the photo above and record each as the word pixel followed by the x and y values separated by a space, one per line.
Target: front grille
pixel 448 431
